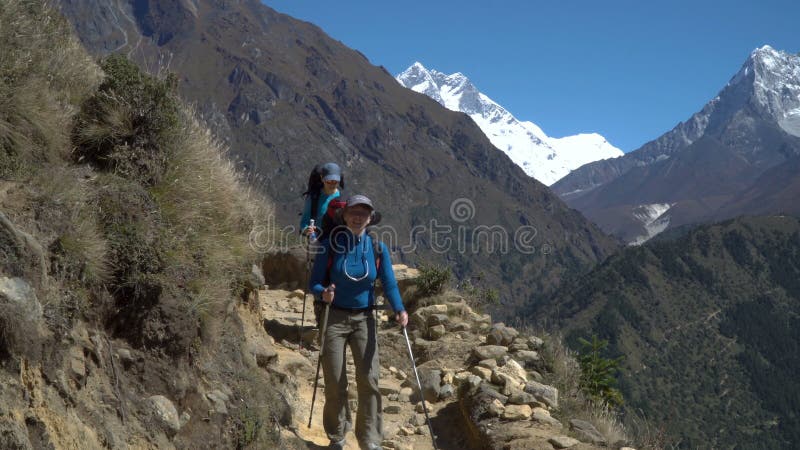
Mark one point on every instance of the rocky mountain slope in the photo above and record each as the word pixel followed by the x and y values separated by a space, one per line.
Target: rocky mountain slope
pixel 542 157
pixel 285 97
pixel 707 323
pixel 710 167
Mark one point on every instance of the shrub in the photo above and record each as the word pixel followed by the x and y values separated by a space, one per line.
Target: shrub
pixel 129 125
pixel 432 279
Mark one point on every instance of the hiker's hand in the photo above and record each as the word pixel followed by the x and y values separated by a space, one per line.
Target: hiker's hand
pixel 402 318
pixel 327 294
pixel 308 230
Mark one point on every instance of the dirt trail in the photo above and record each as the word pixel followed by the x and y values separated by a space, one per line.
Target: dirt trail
pixel 281 313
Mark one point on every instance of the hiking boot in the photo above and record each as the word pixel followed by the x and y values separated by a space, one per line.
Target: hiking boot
pixel 371 446
pixel 339 445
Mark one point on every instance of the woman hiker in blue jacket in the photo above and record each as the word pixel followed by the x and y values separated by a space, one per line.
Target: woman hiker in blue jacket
pixel 330 175
pixel 349 288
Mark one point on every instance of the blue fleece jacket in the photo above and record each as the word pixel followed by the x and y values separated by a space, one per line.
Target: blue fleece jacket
pixel 355 255
pixel 322 207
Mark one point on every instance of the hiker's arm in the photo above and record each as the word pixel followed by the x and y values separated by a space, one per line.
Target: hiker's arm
pixel 318 272
pixel 306 219
pixel 388 281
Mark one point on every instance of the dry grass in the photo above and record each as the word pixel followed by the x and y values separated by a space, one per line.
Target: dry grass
pixel 210 212
pixel 44 74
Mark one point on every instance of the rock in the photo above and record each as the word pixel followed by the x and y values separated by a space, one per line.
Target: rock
pixel 165 412
pixel 438 319
pixel 447 376
pixel 482 372
pixel 13 435
pixel 185 418
pixel 256 277
pixel 460 326
pixel 488 363
pixel 263 352
pixel 422 346
pixel 518 347
pixel 506 380
pixel 517 412
pixel 431 380
pixel 519 397
pixel 586 432
pixel 16 293
pixel 297 293
pixel 407 431
pixel 400 375
pixel 543 416
pixel 489 352
pixel 528 358
pixel 513 369
pixel 124 355
pixel 218 401
pixel 77 364
pixel 420 407
pixel 563 441
pixel 436 332
pixel 543 393
pixel 447 391
pixel 392 409
pixel 499 334
pixel 418 420
pixel 388 387
pixel 422 430
pixel 535 342
pixel 495 408
pixel 474 382
pixel 405 394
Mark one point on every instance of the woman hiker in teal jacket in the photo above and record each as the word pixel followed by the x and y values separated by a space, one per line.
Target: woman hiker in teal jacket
pixel 349 288
pixel 331 178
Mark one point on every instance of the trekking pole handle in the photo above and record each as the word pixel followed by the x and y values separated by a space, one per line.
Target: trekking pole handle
pixel 312 236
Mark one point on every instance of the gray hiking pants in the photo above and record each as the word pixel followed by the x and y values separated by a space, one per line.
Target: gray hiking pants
pixel 358 330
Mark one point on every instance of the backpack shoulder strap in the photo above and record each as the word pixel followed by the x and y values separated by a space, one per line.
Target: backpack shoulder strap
pixel 376 250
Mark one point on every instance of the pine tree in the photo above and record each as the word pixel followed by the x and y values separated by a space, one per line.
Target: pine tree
pixel 598 373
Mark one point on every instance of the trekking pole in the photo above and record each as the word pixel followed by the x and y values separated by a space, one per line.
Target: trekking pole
pixel 319 359
pixel 424 407
pixel 311 238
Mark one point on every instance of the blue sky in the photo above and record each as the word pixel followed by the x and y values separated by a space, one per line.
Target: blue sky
pixel 629 70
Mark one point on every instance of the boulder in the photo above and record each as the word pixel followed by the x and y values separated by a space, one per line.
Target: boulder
pixel 586 432
pixel 438 319
pixel 544 393
pixel 517 412
pixel 436 332
pixel 563 441
pixel 499 334
pixel 18 295
pixel 164 411
pixel 489 352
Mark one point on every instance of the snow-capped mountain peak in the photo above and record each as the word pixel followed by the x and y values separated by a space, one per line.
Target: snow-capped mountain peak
pixel 540 156
pixel 774 77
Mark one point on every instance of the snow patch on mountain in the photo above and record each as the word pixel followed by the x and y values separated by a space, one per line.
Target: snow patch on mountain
pixel 542 157
pixel 654 218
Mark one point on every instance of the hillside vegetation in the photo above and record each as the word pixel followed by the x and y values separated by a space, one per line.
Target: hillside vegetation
pixel 707 325
pixel 123 247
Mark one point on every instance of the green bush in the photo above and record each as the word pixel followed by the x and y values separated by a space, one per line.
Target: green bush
pixel 432 279
pixel 130 124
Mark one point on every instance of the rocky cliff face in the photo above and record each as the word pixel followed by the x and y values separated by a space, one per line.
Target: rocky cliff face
pixel 284 96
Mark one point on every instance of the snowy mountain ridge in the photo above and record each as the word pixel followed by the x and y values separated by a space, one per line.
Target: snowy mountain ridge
pixel 542 157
